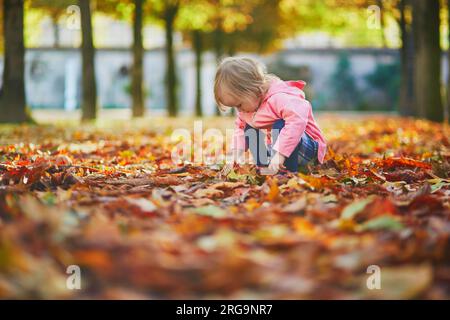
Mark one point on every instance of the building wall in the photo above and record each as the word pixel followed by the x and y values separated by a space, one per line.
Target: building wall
pixel 53 79
pixel 53 75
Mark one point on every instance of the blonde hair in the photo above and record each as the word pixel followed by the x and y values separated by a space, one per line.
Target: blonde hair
pixel 245 77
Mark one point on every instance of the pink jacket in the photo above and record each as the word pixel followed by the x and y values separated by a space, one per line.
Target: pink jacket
pixel 284 100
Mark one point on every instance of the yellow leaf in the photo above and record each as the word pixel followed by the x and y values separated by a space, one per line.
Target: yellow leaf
pixel 252 204
pixel 304 227
pixel 274 191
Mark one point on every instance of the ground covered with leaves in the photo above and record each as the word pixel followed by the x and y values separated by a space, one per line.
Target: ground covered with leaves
pixel 110 200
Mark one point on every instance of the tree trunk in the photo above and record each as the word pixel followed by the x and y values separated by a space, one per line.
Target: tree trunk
pixel 447 112
pixel 231 43
pixel 413 49
pixel 89 87
pixel 231 52
pixel 406 85
pixel 12 99
pixel 171 78
pixel 198 49
pixel 55 26
pixel 410 62
pixel 218 44
pixel 218 50
pixel 382 24
pixel 427 64
pixel 138 53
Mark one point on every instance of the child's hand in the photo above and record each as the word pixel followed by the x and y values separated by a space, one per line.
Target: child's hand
pixel 276 163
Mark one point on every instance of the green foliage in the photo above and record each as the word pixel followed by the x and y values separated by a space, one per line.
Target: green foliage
pixel 260 36
pixel 386 78
pixel 228 24
pixel 196 15
pixel 289 72
pixel 127 89
pixel 122 10
pixel 343 84
pixel 51 7
pixel 384 81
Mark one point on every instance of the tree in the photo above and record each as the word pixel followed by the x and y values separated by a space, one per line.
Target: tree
pixel 220 25
pixel 420 48
pixel 252 33
pixel 406 59
pixel 227 19
pixel 447 113
pixel 223 26
pixel 194 22
pixel 137 92
pixel 198 48
pixel 1 27
pixel 120 9
pixel 346 93
pixel 427 60
pixel 54 9
pixel 89 87
pixel 401 12
pixel 12 96
pixel 166 12
pixel 170 11
pixel 382 23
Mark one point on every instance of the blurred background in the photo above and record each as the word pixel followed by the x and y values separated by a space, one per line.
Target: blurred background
pixel 159 57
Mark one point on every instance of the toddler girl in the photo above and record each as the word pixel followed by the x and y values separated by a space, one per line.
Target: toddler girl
pixel 274 120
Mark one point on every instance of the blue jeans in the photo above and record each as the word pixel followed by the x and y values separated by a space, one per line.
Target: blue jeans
pixel 304 154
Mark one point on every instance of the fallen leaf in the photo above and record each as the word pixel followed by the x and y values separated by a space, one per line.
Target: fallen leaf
pixel 212 211
pixel 354 208
pixel 382 223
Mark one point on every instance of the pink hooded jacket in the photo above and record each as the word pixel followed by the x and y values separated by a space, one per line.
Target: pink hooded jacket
pixel 284 100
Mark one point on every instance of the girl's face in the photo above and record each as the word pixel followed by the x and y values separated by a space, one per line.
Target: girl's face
pixel 243 104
